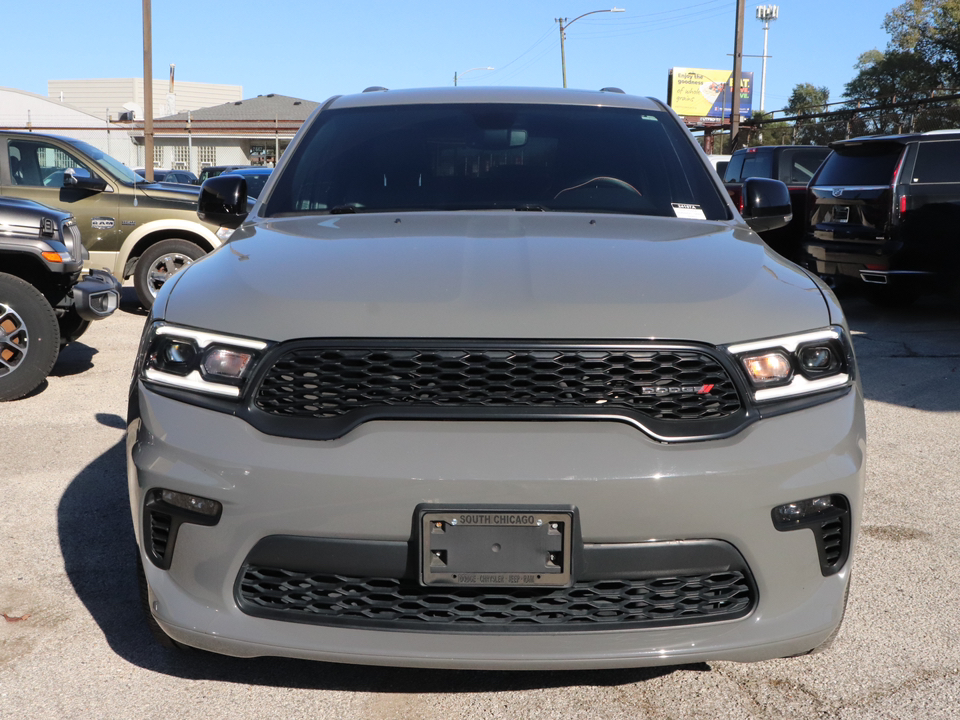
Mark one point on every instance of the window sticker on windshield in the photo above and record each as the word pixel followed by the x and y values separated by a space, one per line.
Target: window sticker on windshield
pixel 688 212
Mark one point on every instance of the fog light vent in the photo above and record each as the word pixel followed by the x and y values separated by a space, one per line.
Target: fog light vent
pixel 828 516
pixel 160 525
pixel 164 511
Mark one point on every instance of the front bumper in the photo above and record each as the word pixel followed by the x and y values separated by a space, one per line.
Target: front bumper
pixel 96 296
pixel 626 487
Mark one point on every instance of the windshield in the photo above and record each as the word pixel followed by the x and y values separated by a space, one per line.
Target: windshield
pixel 111 165
pixel 504 156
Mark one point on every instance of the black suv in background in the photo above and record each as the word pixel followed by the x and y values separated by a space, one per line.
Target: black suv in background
pixel 885 211
pixel 793 165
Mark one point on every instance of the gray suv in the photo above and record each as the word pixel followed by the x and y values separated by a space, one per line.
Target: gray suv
pixel 496 378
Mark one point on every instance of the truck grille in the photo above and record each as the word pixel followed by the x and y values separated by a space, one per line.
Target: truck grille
pixel 401 604
pixel 330 381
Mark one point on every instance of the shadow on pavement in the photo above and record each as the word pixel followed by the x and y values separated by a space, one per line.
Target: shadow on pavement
pixel 74 359
pixel 130 303
pixel 908 356
pixel 97 543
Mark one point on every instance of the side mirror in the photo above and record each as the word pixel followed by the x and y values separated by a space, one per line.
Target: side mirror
pixel 766 204
pixel 81 179
pixel 223 201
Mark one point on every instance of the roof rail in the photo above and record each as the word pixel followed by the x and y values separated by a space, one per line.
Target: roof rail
pixel 375 88
pixel 945 131
pixel 612 89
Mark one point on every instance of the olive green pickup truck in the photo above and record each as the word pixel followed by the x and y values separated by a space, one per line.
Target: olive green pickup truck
pixel 130 227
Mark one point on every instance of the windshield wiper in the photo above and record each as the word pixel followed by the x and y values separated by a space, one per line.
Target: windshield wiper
pixel 530 207
pixel 342 209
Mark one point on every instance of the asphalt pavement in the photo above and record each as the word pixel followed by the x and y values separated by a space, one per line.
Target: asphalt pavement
pixel 73 643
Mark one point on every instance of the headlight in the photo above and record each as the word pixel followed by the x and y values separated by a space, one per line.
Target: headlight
pixel 197 360
pixel 796 364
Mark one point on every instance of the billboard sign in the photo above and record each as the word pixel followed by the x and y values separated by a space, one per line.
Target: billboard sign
pixel 704 93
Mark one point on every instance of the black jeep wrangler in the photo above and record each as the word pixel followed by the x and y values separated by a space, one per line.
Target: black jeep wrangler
pixel 44 303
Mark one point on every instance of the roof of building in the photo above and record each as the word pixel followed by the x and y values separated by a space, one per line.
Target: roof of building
pixel 264 108
pixel 19 108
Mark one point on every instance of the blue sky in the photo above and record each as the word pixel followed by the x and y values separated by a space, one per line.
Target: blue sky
pixel 316 48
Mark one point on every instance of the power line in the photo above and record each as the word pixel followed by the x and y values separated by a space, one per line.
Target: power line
pixel 540 40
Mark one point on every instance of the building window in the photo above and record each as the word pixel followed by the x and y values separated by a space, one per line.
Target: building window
pixel 181 157
pixel 206 155
pixel 158 156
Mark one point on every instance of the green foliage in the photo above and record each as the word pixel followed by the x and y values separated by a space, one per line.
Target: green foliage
pixel 921 59
pixel 807 99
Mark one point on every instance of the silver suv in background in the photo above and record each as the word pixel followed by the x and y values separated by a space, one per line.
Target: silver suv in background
pixel 496 378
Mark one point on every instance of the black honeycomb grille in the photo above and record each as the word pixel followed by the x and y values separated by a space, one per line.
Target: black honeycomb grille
pixel 403 604
pixel 324 382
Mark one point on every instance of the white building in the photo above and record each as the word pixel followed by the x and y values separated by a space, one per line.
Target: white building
pixel 113 97
pixel 20 110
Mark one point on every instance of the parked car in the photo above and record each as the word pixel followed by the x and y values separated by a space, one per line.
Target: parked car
pixel 794 165
pixel 182 177
pixel 885 211
pixel 44 302
pixel 215 170
pixel 719 163
pixel 496 378
pixel 256 178
pixel 147 231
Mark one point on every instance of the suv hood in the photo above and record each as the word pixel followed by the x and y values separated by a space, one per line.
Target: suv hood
pixel 495 274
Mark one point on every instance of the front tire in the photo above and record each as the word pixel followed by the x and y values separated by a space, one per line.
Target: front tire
pixel 159 263
pixel 29 337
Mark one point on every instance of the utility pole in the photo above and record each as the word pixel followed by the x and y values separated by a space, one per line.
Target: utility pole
pixel 564 24
pixel 766 13
pixel 563 54
pixel 737 72
pixel 147 92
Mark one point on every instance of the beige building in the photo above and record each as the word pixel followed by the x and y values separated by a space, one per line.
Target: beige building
pixel 114 97
pixel 254 131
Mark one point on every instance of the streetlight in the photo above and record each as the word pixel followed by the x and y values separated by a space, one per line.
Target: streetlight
pixel 470 70
pixel 561 21
pixel 766 13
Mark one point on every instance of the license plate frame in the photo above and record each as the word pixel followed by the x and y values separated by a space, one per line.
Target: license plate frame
pixel 493 547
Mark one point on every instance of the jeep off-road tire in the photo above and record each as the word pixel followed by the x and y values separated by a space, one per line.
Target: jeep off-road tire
pixel 29 337
pixel 159 263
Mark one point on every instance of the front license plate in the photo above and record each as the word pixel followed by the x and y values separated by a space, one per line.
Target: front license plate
pixel 841 214
pixel 496 547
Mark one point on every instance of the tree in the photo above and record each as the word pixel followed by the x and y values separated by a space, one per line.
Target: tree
pixel 888 78
pixel 920 59
pixel 807 99
pixel 931 29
